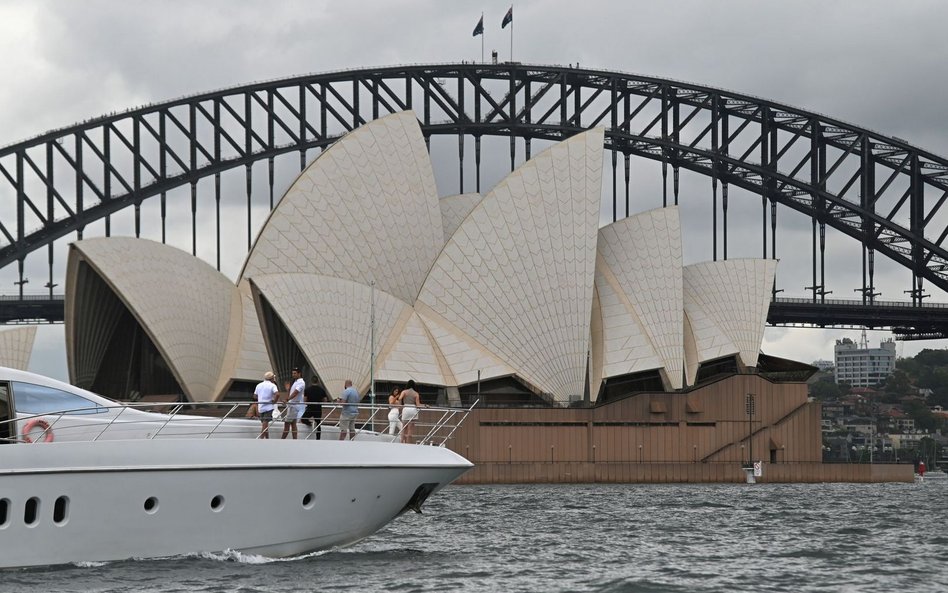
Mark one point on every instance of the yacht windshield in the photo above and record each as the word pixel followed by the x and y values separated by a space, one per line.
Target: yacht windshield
pixel 37 399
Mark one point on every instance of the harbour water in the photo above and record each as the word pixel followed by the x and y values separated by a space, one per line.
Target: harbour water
pixel 600 538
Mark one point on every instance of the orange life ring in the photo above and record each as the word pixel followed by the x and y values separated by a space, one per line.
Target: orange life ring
pixel 37 423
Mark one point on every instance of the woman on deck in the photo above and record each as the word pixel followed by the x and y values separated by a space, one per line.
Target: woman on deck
pixel 411 401
pixel 394 414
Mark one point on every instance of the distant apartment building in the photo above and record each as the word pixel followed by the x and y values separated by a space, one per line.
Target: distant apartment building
pixel 904 424
pixel 859 425
pixel 861 366
pixel 907 440
pixel 822 364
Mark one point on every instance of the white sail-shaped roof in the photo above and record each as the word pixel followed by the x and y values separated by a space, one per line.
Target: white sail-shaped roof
pixel 595 344
pixel 691 352
pixel 517 275
pixel 366 210
pixel 625 345
pixel 643 253
pixel 16 347
pixel 412 354
pixel 454 209
pixel 246 347
pixel 331 321
pixel 704 339
pixel 464 356
pixel 184 305
pixel 734 297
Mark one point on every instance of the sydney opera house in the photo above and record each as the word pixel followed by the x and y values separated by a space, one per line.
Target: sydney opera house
pixel 519 288
pixel 517 298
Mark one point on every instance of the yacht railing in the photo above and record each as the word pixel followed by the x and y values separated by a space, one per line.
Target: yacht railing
pixel 150 420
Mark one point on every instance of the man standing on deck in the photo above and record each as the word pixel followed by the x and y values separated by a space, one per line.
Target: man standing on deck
pixel 294 403
pixel 350 398
pixel 266 392
pixel 316 396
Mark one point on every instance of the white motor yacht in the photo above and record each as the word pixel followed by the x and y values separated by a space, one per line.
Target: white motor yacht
pixel 83 478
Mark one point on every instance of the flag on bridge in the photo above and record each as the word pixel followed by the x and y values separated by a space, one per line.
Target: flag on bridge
pixel 508 18
pixel 479 29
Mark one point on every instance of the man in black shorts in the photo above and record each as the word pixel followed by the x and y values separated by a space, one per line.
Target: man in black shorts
pixel 315 395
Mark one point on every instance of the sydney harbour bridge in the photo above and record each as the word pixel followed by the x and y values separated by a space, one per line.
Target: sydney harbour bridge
pixel 127 173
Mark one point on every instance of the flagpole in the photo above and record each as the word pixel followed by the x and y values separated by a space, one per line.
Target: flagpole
pixel 372 356
pixel 509 20
pixel 482 40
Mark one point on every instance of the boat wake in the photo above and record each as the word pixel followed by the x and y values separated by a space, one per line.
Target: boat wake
pixel 223 556
pixel 90 564
pixel 242 558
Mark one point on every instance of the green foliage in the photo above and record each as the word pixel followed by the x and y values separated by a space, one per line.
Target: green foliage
pixel 924 419
pixel 898 383
pixel 932 358
pixel 910 366
pixel 825 390
pixel 928 370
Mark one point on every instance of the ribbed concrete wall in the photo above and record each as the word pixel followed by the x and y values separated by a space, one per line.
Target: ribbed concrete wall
pixel 705 425
pixel 700 436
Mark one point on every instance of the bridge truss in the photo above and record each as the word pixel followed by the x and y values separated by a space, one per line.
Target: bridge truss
pixel 878 190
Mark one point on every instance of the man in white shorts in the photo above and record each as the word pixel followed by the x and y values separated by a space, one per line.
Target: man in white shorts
pixel 266 392
pixel 294 404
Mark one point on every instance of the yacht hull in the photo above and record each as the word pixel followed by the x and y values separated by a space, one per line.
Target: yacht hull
pixel 102 501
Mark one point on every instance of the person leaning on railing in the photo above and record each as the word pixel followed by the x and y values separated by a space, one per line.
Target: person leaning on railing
pixel 411 401
pixel 350 410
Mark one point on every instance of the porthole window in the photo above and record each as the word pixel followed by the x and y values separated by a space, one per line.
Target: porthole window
pixel 217 503
pixel 151 505
pixel 31 511
pixel 309 500
pixel 4 512
pixel 61 510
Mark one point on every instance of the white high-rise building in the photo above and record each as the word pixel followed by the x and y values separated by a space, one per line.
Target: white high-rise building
pixel 861 366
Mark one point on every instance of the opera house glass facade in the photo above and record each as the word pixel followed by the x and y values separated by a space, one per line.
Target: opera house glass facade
pixel 513 296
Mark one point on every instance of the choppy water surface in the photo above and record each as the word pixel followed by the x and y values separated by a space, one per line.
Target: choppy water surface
pixel 609 538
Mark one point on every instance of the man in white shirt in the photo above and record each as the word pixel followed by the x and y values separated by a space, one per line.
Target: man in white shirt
pixel 266 392
pixel 294 403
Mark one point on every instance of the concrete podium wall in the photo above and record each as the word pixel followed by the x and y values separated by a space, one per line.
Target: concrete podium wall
pixel 703 435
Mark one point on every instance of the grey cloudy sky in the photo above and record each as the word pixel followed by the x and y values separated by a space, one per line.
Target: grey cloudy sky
pixel 875 63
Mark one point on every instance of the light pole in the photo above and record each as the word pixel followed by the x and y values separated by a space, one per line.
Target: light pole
pixel 372 356
pixel 750 404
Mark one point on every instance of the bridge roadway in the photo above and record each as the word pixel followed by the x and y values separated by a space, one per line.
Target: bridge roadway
pixel 907 321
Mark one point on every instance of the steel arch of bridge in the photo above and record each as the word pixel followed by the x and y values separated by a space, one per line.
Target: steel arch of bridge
pixel 879 190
